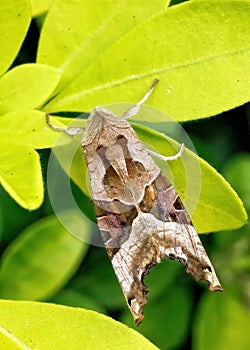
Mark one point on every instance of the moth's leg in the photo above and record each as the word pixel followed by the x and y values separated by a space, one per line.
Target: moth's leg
pixel 69 130
pixel 134 109
pixel 160 156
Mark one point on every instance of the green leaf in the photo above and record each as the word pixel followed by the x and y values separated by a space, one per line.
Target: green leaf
pixel 167 318
pixel 27 86
pixel 100 282
pixel 72 161
pixel 28 127
pixel 40 260
pixel 9 228
pixel 69 154
pixel 222 323
pixel 59 327
pixel 21 132
pixel 38 7
pixel 162 277
pixel 237 173
pixel 74 44
pixel 20 174
pixel 214 0
pixel 201 59
pixel 205 193
pixel 9 342
pixel 14 23
pixel 233 247
pixel 71 297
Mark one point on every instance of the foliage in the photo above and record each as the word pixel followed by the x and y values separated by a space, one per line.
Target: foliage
pixel 47 324
pixel 199 50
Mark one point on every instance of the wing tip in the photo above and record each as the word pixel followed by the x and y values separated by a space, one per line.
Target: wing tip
pixel 216 288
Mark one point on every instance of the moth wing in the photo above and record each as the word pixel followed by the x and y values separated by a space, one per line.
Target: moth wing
pixel 161 230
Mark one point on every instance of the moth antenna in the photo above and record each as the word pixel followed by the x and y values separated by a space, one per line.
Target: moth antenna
pixel 69 130
pixel 52 126
pixel 166 158
pixel 135 109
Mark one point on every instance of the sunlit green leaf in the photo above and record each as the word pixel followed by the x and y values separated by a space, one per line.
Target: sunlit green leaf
pixel 27 86
pixel 20 174
pixel 9 342
pixel 38 7
pixel 201 59
pixel 60 327
pixel 14 23
pixel 28 127
pixel 74 44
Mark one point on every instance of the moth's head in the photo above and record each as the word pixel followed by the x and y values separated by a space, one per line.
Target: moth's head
pixel 101 117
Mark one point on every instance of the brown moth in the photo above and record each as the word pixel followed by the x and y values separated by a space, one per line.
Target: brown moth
pixel 141 217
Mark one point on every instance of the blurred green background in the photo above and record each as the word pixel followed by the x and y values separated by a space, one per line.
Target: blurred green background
pixel 181 314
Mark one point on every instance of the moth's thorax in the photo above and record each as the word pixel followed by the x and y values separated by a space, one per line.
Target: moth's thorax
pixel 103 129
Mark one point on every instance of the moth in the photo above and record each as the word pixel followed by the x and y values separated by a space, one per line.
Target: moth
pixel 140 215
